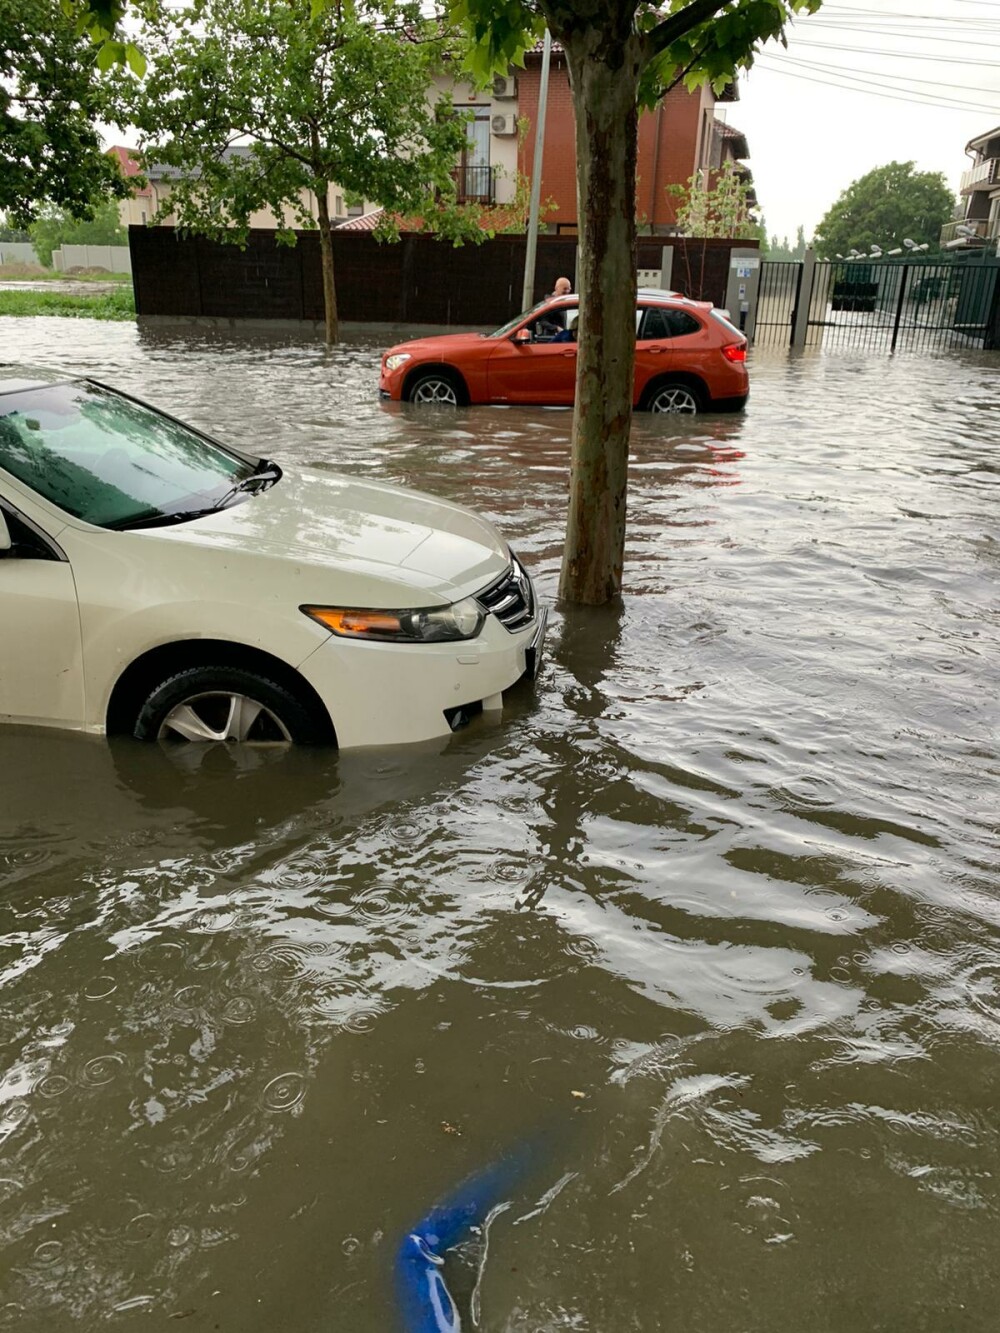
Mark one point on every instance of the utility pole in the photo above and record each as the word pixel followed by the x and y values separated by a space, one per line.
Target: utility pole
pixel 536 178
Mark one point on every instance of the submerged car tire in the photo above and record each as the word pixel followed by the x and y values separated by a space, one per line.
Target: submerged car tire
pixel 435 388
pixel 207 704
pixel 675 396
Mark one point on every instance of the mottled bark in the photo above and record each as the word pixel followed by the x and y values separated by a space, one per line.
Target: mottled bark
pixel 326 254
pixel 605 73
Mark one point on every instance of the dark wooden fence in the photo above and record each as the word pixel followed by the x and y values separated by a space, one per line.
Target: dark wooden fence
pixel 420 280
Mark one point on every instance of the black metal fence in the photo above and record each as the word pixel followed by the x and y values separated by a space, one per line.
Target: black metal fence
pixel 900 306
pixel 777 299
pixel 884 305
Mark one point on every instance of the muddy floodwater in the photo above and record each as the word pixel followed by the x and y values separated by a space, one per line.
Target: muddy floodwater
pixel 703 936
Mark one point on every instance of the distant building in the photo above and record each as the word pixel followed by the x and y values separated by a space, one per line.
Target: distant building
pixel 687 134
pixel 145 202
pixel 980 191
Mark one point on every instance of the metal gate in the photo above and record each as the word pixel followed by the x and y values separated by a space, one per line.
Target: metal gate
pixel 777 299
pixel 884 305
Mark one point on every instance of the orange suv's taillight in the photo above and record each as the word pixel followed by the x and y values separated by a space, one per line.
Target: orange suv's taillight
pixel 735 352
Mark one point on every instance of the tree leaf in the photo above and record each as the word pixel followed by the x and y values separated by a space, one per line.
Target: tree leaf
pixel 136 60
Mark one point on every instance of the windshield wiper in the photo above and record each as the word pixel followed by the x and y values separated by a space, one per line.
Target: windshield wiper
pixel 264 475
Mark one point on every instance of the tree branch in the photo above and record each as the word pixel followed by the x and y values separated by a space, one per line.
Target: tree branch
pixel 682 73
pixel 677 25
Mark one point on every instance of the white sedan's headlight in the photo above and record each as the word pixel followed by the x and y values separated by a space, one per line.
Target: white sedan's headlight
pixel 396 360
pixel 439 624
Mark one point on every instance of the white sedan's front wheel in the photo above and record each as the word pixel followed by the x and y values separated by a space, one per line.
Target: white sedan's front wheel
pixel 227 705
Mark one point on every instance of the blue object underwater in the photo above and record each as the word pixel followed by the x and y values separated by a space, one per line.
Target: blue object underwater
pixel 425 1301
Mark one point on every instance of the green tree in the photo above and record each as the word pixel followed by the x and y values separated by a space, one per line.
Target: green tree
pixel 885 206
pixel 267 103
pixel 723 206
pixel 622 54
pixel 50 99
pixel 56 227
pixel 784 250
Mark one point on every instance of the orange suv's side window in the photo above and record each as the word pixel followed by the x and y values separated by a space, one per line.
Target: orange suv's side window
pixel 662 323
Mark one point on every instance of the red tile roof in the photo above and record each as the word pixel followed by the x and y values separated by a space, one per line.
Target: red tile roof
pixel 129 166
pixel 366 222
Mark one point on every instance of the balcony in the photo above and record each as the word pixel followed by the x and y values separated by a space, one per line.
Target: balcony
pixel 981 177
pixel 476 185
pixel 970 230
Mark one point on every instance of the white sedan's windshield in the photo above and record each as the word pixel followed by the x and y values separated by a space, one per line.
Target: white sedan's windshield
pixel 109 460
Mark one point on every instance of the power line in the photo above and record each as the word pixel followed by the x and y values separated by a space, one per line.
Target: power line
pixel 903 55
pixel 883 13
pixel 941 103
pixel 893 21
pixel 896 55
pixel 883 74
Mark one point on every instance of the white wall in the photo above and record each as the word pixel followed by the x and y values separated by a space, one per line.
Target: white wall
pixel 503 147
pixel 17 252
pixel 115 258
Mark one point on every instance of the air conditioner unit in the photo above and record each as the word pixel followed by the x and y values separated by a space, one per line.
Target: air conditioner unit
pixel 504 124
pixel 504 85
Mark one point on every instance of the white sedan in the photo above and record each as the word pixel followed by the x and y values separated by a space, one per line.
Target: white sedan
pixel 157 583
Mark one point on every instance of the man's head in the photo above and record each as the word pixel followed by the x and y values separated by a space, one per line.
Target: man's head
pixel 563 287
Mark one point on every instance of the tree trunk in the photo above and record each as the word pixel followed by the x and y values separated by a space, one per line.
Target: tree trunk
pixel 605 78
pixel 326 252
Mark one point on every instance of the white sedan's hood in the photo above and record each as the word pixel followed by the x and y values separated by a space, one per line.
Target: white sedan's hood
pixel 315 518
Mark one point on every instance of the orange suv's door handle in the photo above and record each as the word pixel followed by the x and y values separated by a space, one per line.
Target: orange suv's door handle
pixel 656 350
pixel 569 353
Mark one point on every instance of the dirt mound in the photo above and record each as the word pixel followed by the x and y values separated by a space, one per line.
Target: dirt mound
pixel 18 269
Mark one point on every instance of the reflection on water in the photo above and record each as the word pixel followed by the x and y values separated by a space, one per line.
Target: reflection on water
pixel 715 908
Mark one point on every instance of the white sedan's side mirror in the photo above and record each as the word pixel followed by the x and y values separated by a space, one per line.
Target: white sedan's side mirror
pixel 5 542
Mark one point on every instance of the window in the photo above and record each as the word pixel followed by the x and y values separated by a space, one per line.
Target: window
pixel 474 175
pixel 25 542
pixel 662 322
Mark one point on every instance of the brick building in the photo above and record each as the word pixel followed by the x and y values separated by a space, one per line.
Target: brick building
pixel 687 132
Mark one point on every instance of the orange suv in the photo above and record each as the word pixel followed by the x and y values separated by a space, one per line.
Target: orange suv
pixel 688 358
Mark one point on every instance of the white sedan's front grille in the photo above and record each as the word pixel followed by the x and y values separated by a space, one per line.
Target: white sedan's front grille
pixel 511 598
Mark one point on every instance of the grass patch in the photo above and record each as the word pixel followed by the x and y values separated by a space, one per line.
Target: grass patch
pixel 17 271
pixel 118 304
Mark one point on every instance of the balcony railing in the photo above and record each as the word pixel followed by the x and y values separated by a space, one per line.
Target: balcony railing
pixel 969 230
pixel 981 177
pixel 476 185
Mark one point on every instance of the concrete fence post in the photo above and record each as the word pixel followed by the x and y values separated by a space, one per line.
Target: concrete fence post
pixel 800 316
pixel 666 267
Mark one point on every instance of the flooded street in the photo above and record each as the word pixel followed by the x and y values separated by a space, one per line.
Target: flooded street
pixel 703 935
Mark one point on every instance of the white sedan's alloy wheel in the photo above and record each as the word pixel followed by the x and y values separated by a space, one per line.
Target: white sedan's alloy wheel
pixel 221 716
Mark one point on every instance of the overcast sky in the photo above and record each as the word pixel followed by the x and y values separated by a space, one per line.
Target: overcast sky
pixel 862 83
